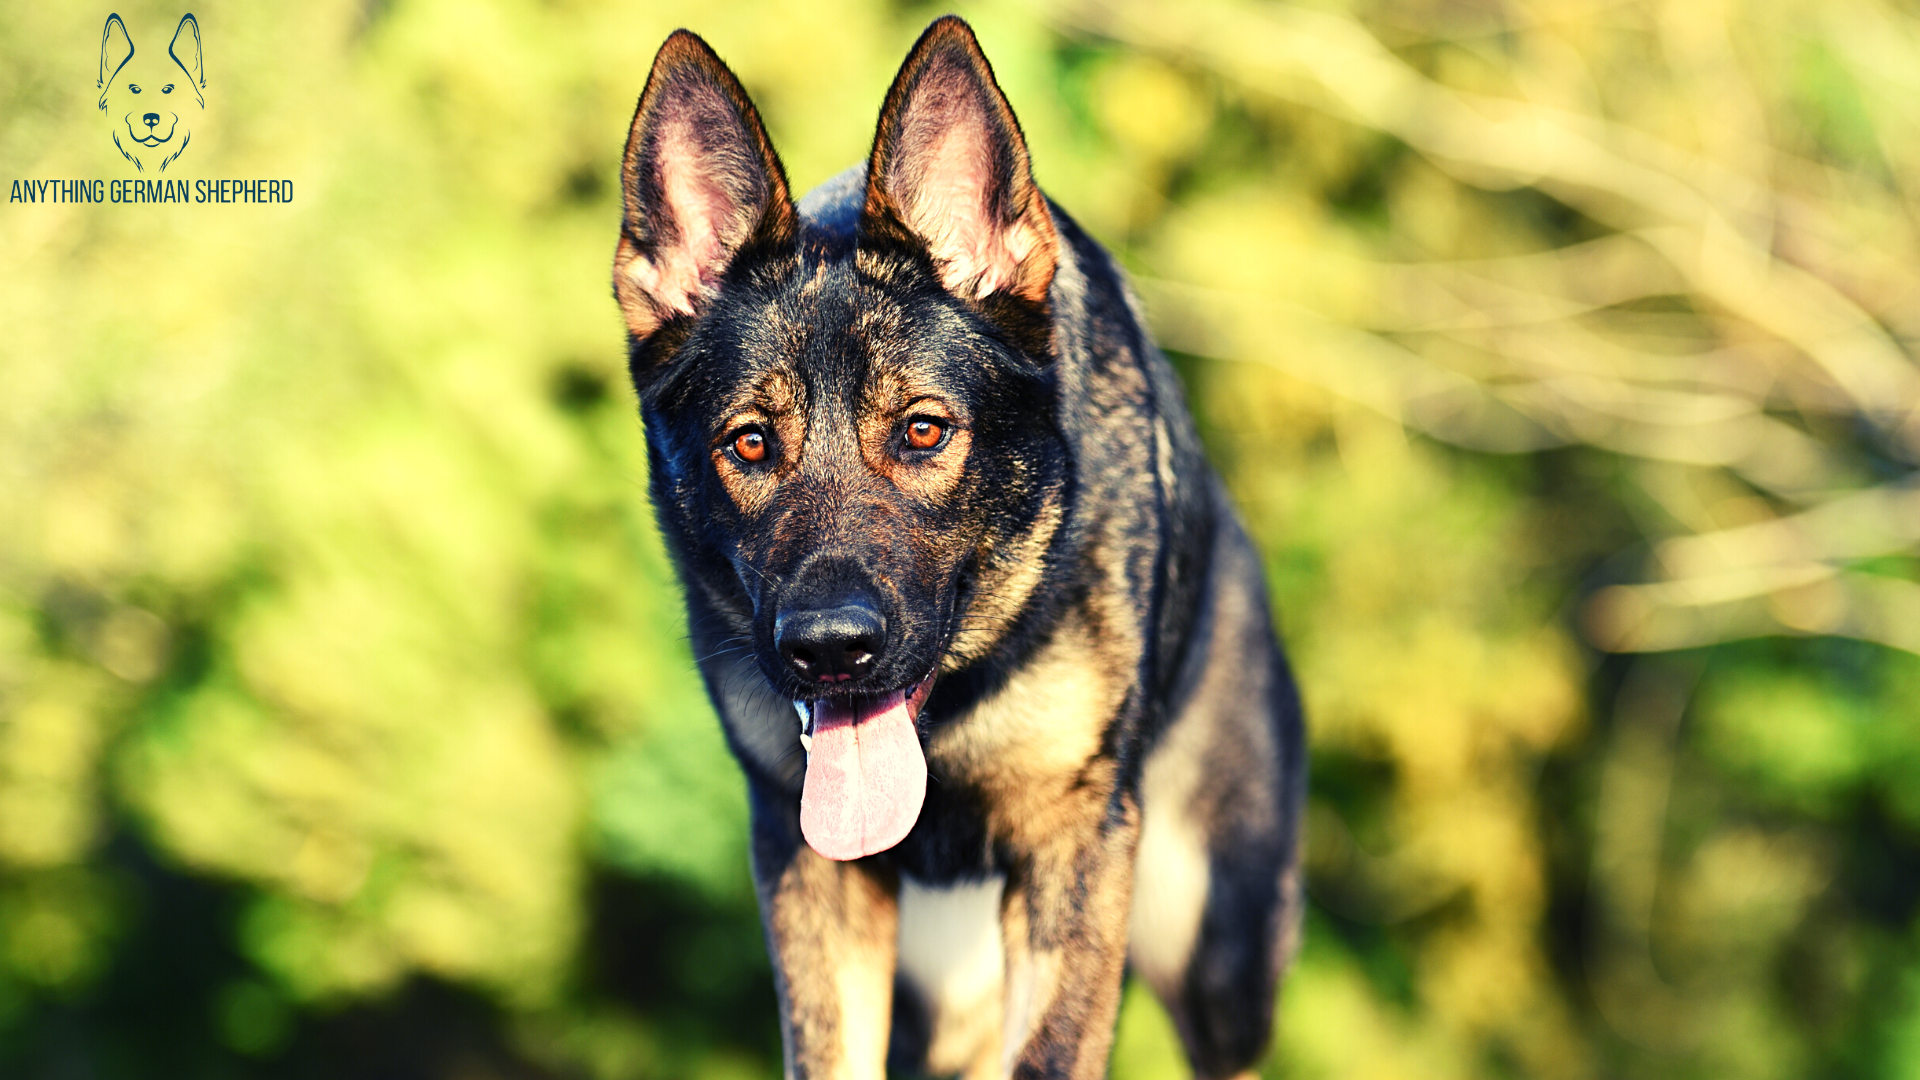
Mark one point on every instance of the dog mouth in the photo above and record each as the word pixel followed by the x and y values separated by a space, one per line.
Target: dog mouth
pixel 866 774
pixel 152 136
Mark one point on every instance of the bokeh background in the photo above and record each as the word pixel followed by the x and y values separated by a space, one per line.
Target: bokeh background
pixel 1561 354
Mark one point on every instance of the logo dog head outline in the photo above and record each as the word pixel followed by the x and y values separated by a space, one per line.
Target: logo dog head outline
pixel 153 102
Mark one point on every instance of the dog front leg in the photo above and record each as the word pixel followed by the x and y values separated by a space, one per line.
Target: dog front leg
pixel 1064 923
pixel 832 932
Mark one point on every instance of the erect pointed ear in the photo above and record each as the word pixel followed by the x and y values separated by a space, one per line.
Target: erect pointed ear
pixel 185 50
pixel 949 164
pixel 116 48
pixel 700 182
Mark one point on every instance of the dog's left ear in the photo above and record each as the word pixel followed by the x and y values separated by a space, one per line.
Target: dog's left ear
pixel 950 166
pixel 185 50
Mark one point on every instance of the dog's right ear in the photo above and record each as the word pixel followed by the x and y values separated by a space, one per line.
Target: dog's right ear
pixel 700 182
pixel 116 48
pixel 185 50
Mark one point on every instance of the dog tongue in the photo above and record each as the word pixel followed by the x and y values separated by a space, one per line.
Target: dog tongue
pixel 866 777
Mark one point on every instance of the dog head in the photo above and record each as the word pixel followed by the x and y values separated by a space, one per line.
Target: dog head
pixel 850 404
pixel 151 98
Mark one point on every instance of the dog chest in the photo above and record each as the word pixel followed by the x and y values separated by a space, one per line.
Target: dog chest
pixel 951 954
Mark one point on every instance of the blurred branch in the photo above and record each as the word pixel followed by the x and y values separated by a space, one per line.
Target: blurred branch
pixel 1373 371
pixel 1812 600
pixel 1613 173
pixel 1787 575
pixel 1525 289
pixel 1518 411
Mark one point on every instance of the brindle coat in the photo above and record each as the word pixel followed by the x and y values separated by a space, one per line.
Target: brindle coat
pixel 925 388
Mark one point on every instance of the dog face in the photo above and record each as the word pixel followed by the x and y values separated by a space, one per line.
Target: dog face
pixel 845 450
pixel 151 98
pixel 851 423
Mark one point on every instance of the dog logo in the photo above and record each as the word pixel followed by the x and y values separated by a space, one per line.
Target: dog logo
pixel 150 100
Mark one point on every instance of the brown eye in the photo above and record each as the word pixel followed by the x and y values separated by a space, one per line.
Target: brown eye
pixel 924 434
pixel 750 447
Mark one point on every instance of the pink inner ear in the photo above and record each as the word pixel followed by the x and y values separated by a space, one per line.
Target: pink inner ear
pixel 690 263
pixel 949 210
pixel 942 175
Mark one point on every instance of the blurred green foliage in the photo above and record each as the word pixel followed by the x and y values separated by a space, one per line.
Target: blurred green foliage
pixel 1560 354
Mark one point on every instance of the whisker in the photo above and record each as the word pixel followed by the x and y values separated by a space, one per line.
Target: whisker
pixel 763 577
pixel 731 650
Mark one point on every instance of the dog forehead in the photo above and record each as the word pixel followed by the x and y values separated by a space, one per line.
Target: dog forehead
pixel 820 317
pixel 818 331
pixel 149 62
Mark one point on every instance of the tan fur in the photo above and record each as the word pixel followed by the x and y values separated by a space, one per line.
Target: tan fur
pixel 633 277
pixel 1170 877
pixel 891 396
pixel 1008 576
pixel 1032 748
pixel 1065 930
pixel 775 404
pixel 837 918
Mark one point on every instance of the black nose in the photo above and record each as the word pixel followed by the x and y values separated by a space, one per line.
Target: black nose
pixel 831 644
pixel 151 118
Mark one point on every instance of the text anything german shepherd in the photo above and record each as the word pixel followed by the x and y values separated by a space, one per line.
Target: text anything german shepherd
pixel 983 631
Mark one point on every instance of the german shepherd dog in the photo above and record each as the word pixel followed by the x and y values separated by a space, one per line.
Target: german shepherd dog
pixel 983 631
pixel 151 100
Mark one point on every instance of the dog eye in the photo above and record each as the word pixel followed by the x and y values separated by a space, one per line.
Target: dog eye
pixel 167 89
pixel 924 433
pixel 133 88
pixel 750 446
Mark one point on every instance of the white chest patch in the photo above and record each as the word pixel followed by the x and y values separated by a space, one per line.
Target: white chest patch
pixel 950 950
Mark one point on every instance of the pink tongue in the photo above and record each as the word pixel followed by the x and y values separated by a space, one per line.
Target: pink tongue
pixel 866 777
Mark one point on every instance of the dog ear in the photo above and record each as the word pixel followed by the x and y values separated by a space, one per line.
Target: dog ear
pixel 700 182
pixel 950 166
pixel 116 48
pixel 185 50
